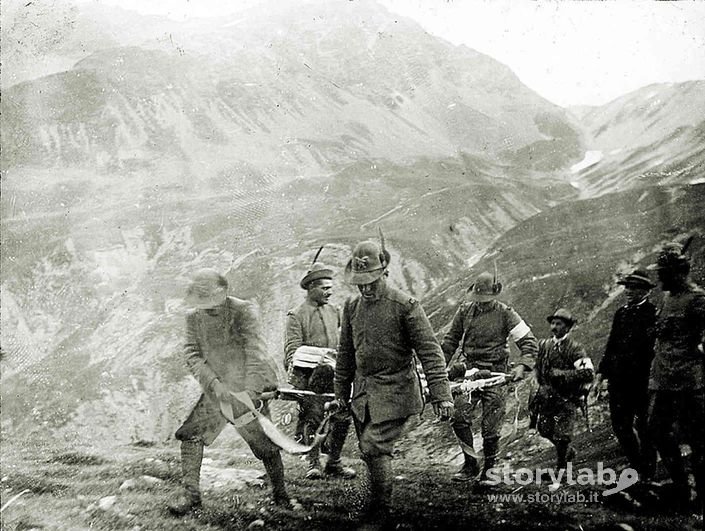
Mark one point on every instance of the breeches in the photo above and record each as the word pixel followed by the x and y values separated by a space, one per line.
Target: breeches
pixel 206 422
pixel 318 380
pixel 493 401
pixel 378 438
pixel 556 421
pixel 687 408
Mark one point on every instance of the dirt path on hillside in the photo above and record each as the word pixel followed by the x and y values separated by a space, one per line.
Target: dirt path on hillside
pixel 129 487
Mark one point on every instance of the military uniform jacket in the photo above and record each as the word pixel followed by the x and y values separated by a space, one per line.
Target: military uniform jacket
pixel 630 347
pixel 311 325
pixel 556 371
pixel 375 362
pixel 485 331
pixel 680 328
pixel 228 346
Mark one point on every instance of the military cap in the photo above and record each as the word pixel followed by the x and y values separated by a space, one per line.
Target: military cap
pixel 564 315
pixel 318 271
pixel 637 278
pixel 208 289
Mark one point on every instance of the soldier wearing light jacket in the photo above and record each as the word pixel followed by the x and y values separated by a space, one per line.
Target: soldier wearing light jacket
pixel 564 372
pixel 482 328
pixel 315 323
pixel 225 352
pixel 375 371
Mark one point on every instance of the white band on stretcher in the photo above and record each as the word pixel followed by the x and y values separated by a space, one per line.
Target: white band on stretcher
pixel 519 331
pixel 308 357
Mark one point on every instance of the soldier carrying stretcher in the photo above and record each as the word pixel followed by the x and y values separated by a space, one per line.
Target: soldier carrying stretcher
pixel 315 323
pixel 226 353
pixel 480 331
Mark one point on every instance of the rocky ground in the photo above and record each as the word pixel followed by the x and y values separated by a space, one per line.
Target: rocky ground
pixel 74 488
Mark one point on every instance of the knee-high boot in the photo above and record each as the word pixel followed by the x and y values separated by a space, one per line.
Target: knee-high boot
pixel 336 441
pixel 380 484
pixel 275 472
pixel 565 453
pixel 490 447
pixel 470 468
pixel 190 497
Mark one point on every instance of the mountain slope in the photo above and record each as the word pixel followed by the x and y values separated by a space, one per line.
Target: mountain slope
pixel 305 92
pixel 571 256
pixel 92 296
pixel 655 135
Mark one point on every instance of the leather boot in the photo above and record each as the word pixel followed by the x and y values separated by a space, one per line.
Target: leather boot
pixel 314 465
pixel 470 467
pixel 275 472
pixel 565 453
pixel 469 471
pixel 337 470
pixel 380 486
pixel 190 497
pixel 336 440
pixel 490 447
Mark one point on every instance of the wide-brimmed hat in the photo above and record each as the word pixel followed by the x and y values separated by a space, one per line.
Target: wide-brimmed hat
pixel 485 288
pixel 208 289
pixel 638 279
pixel 564 315
pixel 317 272
pixel 367 264
pixel 671 256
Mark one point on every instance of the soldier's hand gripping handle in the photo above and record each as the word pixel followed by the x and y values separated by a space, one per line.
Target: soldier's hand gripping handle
pixel 334 406
pixel 517 373
pixel 221 392
pixel 444 410
pixel 597 389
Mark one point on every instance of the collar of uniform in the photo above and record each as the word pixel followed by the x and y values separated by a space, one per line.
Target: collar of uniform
pixel 380 293
pixel 642 301
pixel 483 307
pixel 560 341
pixel 218 310
pixel 313 304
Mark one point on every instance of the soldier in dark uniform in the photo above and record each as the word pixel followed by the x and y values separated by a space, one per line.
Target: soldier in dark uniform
pixel 625 367
pixel 564 371
pixel 482 328
pixel 225 352
pixel 678 372
pixel 375 371
pixel 316 323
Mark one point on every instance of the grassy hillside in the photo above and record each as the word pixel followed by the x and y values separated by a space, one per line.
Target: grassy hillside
pixel 571 255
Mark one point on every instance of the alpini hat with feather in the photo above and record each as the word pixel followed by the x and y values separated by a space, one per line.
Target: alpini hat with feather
pixel 485 288
pixel 368 262
pixel 317 271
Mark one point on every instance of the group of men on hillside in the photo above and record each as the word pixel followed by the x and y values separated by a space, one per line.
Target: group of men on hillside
pixel 380 334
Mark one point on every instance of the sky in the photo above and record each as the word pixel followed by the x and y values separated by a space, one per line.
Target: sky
pixel 570 52
pixel 575 53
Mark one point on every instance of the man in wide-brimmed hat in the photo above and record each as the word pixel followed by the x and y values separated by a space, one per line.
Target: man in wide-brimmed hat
pixel 564 372
pixel 226 353
pixel 677 378
pixel 625 366
pixel 478 338
pixel 316 323
pixel 375 373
